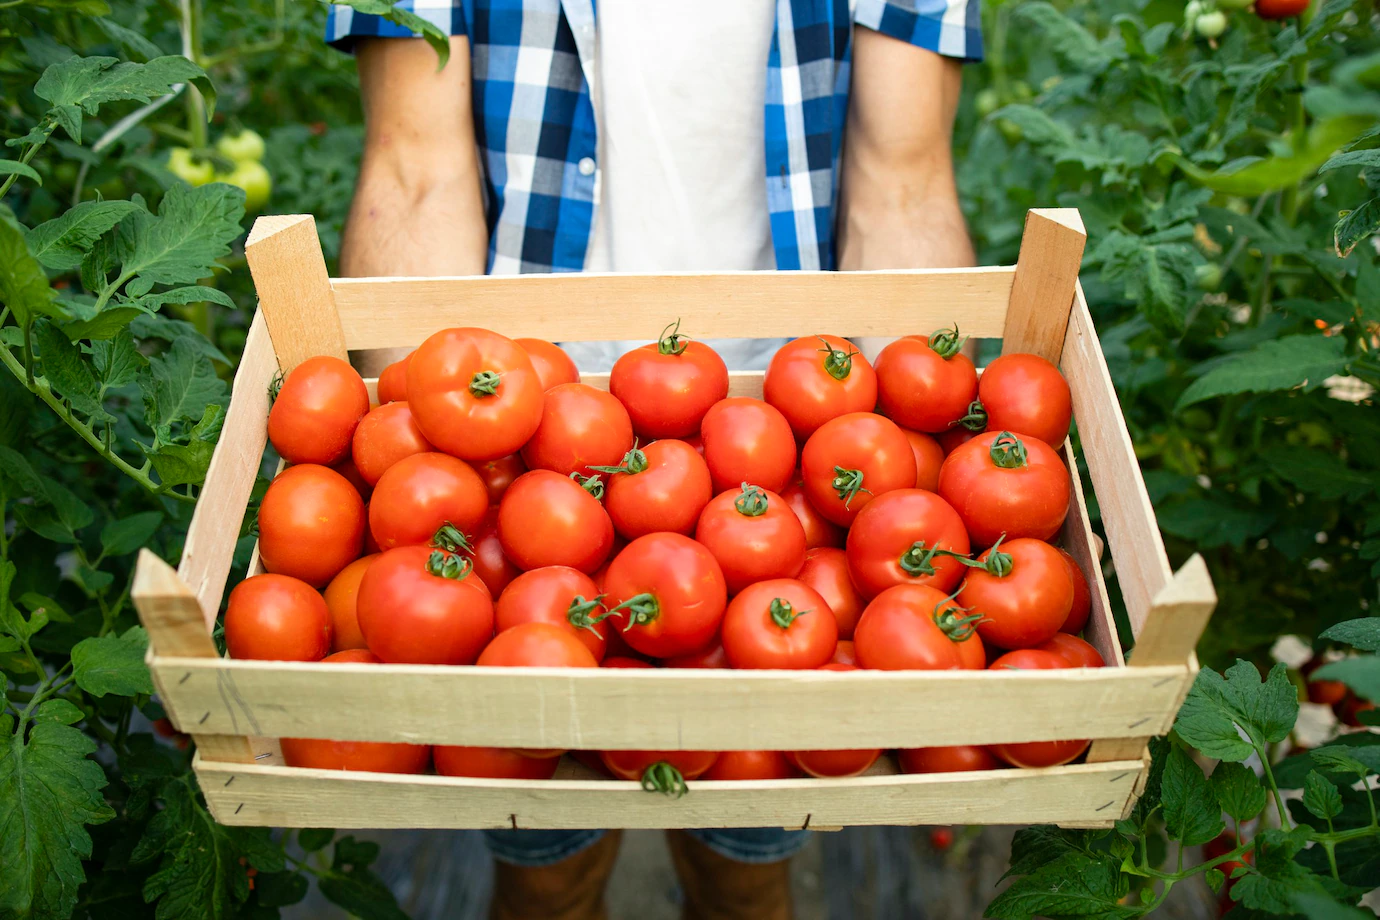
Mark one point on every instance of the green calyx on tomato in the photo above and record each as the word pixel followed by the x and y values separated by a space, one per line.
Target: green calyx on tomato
pixel 976 418
pixel 752 501
pixel 448 565
pixel 998 564
pixel 634 461
pixel 641 608
pixel 837 362
pixel 664 778
pixel 484 383
pixel 578 613
pixel 448 537
pixel 919 559
pixel 946 342
pixel 783 614
pixel 847 483
pixel 591 484
pixel 671 341
pixel 952 620
pixel 1008 452
pixel 275 386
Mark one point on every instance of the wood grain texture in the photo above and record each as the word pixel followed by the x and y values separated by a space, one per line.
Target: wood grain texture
pixel 1077 537
pixel 397 312
pixel 289 269
pixel 1046 272
pixel 1178 616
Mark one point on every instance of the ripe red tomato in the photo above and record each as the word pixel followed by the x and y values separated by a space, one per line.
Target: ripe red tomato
pixel 926 384
pixel 555 594
pixel 753 535
pixel 1035 753
pixel 1023 595
pixel 1327 692
pixel 846 653
pixel 1026 395
pixel 548 519
pixel 537 644
pixel 371 546
pixel 817 378
pixel 672 589
pixel 492 567
pixel 1280 9
pixel 929 457
pixel 663 486
pixel 277 618
pixel 780 624
pixel 393 381
pixel 1351 707
pixel 711 656
pixel 340 601
pixel 1078 653
pixel 316 411
pixel 633 765
pixel 955 438
pixel 1000 484
pixel 747 440
pixel 553 366
pixel 747 765
pixel 1082 596
pixel 311 524
pixel 826 570
pixel 819 530
pixel 420 493
pixel 419 605
pixel 623 661
pixel 696 441
pixel 903 537
pixel 911 628
pixel 345 466
pixel 353 656
pixel 499 474
pixel 669 385
pixel 474 393
pixel 356 756
pixel 824 764
pixel 491 763
pixel 941 838
pixel 581 427
pixel 385 436
pixel 851 460
pixel 958 758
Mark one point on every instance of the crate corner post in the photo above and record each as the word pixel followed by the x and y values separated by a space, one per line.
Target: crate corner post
pixel 295 295
pixel 1037 315
pixel 1179 613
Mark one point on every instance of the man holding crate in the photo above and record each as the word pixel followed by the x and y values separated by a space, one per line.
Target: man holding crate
pixel 651 135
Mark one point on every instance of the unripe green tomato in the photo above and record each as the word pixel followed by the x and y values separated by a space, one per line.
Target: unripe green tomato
pixel 1209 276
pixel 987 102
pixel 1010 130
pixel 251 176
pixel 1049 83
pixel 247 145
pixel 1022 91
pixel 1192 10
pixel 191 171
pixel 1211 25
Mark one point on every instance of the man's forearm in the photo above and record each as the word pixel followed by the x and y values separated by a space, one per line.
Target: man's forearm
pixel 918 225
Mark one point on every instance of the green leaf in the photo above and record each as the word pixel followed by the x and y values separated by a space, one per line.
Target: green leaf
pixel 1033 847
pixel 1074 885
pixel 280 889
pixel 118 360
pixel 59 244
pixel 1274 173
pixel 1320 797
pixel 86 83
pixel 179 464
pixel 1191 812
pixel 18 477
pixel 1317 906
pixel 111 664
pixel 1316 472
pixel 83 7
pixel 1356 225
pixel 438 40
pixel 68 371
pixel 1361 675
pixel 180 385
pixel 136 44
pixel 170 330
pixel 1363 633
pixel 61 519
pixel 124 536
pixel 312 839
pixel 1278 878
pixel 1238 790
pixel 1345 759
pixel 1295 361
pixel 1063 35
pixel 1215 879
pixel 23 285
pixel 1216 705
pixel 1214 520
pixel 109 322
pixel 16 168
pixel 194 227
pixel 191 294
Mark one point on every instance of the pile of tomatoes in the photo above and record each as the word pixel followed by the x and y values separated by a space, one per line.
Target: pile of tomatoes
pixel 493 510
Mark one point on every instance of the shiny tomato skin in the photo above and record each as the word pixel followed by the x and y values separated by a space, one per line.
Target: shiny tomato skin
pixel 581 426
pixel 748 440
pixel 410 616
pixel 623 661
pixel 929 457
pixel 491 763
pixel 894 531
pixel 1027 501
pixel 750 765
pixel 1026 395
pixel 311 524
pixel 845 653
pixel 546 595
pixel 1026 606
pixel 385 436
pixel 449 401
pixel 826 570
pixel 819 530
pixel 752 547
pixel 346 467
pixel 1280 9
pixel 1326 692
pixel 356 756
pixel 418 494
pixel 667 492
pixel 499 474
pixel 1077 652
pixel 955 438
pixel 537 644
pixel 898 632
pixel 340 595
pixel 1082 596
pixel 920 388
pixel 688 587
pixel 277 618
pixel 1035 753
pixel 958 758
pixel 711 656
pixel 753 638
pixel 553 366
pixel 316 411
pixel 667 395
pixel 354 656
pixel 547 519
pixel 493 568
pixel 799 383
pixel 632 764
pixel 862 443
pixel 393 381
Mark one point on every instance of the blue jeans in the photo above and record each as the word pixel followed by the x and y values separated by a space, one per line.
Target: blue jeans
pixel 745 844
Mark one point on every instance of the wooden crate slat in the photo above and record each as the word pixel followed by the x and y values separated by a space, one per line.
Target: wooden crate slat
pixel 1077 537
pixel 289 269
pixel 1046 272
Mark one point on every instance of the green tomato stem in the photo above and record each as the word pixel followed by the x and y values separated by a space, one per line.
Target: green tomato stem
pixel 752 501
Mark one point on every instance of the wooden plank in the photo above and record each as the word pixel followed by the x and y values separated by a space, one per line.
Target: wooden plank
pixel 1077 537
pixel 210 546
pixel 672 709
pixel 395 312
pixel 1042 291
pixel 1177 618
pixel 1089 795
pixel 289 269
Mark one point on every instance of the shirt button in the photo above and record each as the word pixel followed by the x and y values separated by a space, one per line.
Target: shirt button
pixel 586 166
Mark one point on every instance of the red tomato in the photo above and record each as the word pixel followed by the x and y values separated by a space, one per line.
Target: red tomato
pixel 474 393
pixel 1035 753
pixel 420 493
pixel 1082 596
pixel 753 535
pixel 747 765
pixel 633 765
pixel 277 618
pixel 340 601
pixel 825 764
pixel 345 466
pixel 1351 707
pixel 354 656
pixel 537 644
pixel 553 366
pixel 1023 594
pixel 1280 9
pixel 491 763
pixel 941 838
pixel 311 524
pixel 711 656
pixel 555 594
pixel 819 531
pixel 696 441
pixel 548 519
pixel 669 385
pixel 846 653
pixel 851 460
pixel 581 427
pixel 499 474
pixel 826 570
pixel 926 384
pixel 746 440
pixel 781 624
pixel 385 436
pixel 1000 484
pixel 1026 395
pixel 958 758
pixel 356 756
pixel 393 381
pixel 929 457
pixel 419 605
pixel 623 661
pixel 663 486
pixel 955 438
pixel 904 537
pixel 912 628
pixel 1079 654
pixel 673 590
pixel 492 567
pixel 1327 692
pixel 316 411
pixel 817 378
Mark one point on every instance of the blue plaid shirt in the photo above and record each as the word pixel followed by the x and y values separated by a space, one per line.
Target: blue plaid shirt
pixel 535 123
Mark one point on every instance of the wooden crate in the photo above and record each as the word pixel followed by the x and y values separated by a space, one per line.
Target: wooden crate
pixel 235 709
